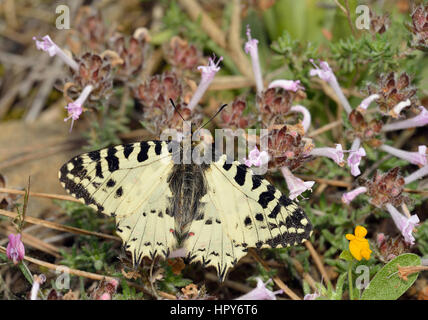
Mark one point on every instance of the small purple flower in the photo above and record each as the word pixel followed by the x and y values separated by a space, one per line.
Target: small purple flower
pixel 336 154
pixel 15 250
pixel 256 158
pixel 252 48
pixel 351 195
pixel 47 45
pixel 419 121
pixel 404 224
pixel 418 158
pixel 288 85
pixel 367 101
pixel 75 108
pixel 306 123
pixel 260 292
pixel 324 72
pixel 354 160
pixel 295 185
pixel 312 296
pixel 207 76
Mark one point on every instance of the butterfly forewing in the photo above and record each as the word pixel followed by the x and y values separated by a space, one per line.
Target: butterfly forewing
pixel 128 182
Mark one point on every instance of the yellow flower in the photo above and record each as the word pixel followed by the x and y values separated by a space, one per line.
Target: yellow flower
pixel 359 246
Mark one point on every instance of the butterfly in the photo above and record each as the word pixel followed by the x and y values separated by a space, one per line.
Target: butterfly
pixel 215 211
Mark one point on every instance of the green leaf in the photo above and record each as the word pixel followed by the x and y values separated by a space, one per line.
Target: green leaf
pixel 346 255
pixel 386 284
pixel 26 272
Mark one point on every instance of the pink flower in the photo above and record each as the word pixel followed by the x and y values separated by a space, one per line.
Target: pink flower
pixel 419 158
pixel 422 172
pixel 15 250
pixel 312 296
pixel 47 45
pixel 75 108
pixel 351 195
pixel 306 123
pixel 288 85
pixel 252 48
pixel 367 101
pixel 325 73
pixel 260 292
pixel 295 185
pixel 336 154
pixel 404 224
pixel 354 160
pixel 419 121
pixel 256 158
pixel 207 76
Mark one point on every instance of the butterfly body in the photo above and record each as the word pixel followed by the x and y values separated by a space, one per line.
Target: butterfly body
pixel 215 211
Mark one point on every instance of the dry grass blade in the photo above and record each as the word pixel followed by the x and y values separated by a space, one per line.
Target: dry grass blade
pixel 75 272
pixel 59 227
pixel 318 261
pixel 39 195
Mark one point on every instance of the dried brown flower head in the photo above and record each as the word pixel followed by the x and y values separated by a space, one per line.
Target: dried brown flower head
pixel 366 131
pixel 154 96
pixel 92 32
pixel 54 295
pixel 379 24
pixel 177 265
pixel 191 292
pixel 393 89
pixel 386 188
pixel 233 117
pixel 274 104
pixel 419 27
pixel 131 51
pixel 287 147
pixel 389 247
pixel 182 55
pixel 93 70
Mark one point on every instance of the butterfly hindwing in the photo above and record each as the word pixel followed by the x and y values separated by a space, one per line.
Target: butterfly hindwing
pixel 128 182
pixel 242 210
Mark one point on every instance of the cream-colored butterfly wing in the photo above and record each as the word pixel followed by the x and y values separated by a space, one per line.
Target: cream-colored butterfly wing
pixel 128 182
pixel 242 210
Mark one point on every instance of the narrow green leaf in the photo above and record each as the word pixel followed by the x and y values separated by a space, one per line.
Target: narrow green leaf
pixel 26 272
pixel 386 284
pixel 346 255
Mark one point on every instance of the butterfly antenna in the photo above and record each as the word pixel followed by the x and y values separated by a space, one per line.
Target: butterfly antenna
pixel 176 109
pixel 219 110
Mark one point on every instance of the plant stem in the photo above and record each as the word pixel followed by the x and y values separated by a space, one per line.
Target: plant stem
pixel 350 281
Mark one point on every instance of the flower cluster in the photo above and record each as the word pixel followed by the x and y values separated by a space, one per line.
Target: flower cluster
pixel 419 27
